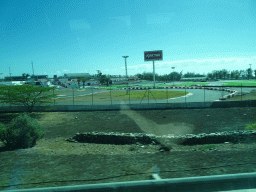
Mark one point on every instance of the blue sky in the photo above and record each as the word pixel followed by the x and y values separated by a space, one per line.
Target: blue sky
pixel 66 36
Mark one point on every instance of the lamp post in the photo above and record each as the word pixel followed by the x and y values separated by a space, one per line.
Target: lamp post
pixel 173 74
pixel 126 72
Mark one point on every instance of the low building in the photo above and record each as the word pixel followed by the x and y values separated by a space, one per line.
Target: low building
pixel 75 75
pixel 14 78
pixel 36 77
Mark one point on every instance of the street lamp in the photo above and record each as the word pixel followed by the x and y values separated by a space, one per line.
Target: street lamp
pixel 126 71
pixel 173 74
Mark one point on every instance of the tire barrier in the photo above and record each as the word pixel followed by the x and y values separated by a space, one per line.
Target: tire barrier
pixel 241 136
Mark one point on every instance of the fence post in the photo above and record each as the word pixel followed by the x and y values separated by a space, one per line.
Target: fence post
pixel 241 92
pixel 186 96
pixel 129 96
pixel 204 96
pixel 92 95
pixel 73 96
pixel 110 95
pixel 53 98
pixel 222 93
pixel 148 95
pixel 167 93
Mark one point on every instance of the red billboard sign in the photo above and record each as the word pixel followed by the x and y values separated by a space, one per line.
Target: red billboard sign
pixel 153 55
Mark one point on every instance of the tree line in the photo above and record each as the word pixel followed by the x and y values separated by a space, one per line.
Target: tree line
pixel 215 74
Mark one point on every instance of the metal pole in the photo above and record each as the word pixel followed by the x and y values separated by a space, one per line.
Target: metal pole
pixel 185 95
pixel 154 76
pixel 241 92
pixel 92 95
pixel 222 93
pixel 126 72
pixel 167 93
pixel 53 98
pixel 110 95
pixel 204 95
pixel 148 96
pixel 73 96
pixel 129 96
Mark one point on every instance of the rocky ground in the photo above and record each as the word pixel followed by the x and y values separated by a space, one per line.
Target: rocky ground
pixel 55 162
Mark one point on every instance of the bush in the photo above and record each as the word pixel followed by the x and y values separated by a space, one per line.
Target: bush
pixel 22 132
pixel 251 126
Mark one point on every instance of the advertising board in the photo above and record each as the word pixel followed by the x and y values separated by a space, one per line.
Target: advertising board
pixel 153 55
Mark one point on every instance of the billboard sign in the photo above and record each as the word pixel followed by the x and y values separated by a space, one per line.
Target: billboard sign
pixel 153 55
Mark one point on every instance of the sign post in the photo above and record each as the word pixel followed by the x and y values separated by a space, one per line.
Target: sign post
pixel 153 56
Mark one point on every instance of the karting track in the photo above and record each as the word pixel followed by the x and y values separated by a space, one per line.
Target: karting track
pixel 195 95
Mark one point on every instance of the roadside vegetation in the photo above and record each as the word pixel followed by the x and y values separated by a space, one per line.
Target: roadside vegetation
pixel 251 126
pixel 26 95
pixel 22 132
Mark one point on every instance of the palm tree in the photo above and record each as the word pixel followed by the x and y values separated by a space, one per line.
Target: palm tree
pixel 83 80
pixel 27 75
pixel 24 76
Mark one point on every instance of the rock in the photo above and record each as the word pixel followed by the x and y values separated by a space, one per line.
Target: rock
pixel 138 143
pixel 164 148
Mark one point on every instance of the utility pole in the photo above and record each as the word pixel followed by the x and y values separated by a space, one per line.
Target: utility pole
pixel 32 68
pixel 126 72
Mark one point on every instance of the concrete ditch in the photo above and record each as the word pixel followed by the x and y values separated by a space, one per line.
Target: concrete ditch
pixel 242 136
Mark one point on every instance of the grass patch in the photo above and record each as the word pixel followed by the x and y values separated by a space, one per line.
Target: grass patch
pixel 251 126
pixel 192 83
pixel 151 94
pixel 206 147
pixel 250 96
pixel 238 83
pixel 116 95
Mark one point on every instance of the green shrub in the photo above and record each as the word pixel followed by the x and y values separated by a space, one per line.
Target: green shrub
pixel 22 132
pixel 251 126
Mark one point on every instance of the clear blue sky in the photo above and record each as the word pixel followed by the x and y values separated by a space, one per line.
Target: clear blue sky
pixel 66 36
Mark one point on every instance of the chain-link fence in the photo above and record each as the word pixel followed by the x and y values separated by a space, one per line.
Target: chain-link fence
pixel 149 95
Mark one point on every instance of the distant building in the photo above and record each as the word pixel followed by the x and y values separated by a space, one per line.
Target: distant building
pixel 14 78
pixel 75 75
pixel 36 77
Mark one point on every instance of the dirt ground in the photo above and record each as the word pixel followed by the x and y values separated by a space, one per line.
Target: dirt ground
pixel 56 162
